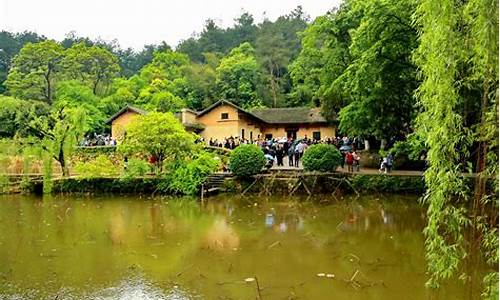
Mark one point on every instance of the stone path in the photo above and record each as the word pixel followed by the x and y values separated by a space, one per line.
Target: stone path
pixel 362 170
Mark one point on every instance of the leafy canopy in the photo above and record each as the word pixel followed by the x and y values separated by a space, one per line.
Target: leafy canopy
pixel 160 135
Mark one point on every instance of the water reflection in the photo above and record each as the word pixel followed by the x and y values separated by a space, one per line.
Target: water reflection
pixel 167 248
pixel 221 236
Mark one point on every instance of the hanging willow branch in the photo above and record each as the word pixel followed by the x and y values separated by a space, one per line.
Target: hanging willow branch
pixel 453 35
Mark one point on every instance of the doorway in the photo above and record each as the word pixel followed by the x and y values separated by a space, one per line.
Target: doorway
pixel 291 133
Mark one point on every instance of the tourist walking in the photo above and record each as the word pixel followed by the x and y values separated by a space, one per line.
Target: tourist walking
pixel 349 160
pixel 279 154
pixel 299 151
pixel 356 160
pixel 386 165
pixel 296 156
pixel 389 161
pixel 291 151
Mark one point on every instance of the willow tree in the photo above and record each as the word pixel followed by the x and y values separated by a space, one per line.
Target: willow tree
pixel 57 134
pixel 458 61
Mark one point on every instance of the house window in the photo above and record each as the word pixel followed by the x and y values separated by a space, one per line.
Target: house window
pixel 269 136
pixel 317 135
pixel 242 133
pixel 224 116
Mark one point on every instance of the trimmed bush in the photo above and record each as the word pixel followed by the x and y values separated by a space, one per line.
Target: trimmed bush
pixel 322 158
pixel 246 160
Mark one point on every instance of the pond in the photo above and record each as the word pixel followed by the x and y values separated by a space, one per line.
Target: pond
pixel 116 247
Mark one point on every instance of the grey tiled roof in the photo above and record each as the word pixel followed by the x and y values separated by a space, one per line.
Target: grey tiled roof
pixel 289 115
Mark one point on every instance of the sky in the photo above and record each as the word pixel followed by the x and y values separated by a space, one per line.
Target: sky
pixel 135 23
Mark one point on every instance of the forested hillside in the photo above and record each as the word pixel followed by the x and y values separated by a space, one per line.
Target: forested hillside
pixel 357 62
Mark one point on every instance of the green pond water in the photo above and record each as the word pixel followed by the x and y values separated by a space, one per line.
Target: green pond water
pixel 115 247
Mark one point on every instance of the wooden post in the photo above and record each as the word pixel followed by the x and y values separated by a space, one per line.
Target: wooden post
pixel 258 288
pixel 202 192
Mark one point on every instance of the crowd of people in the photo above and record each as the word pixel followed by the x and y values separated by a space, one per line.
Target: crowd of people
pixel 98 140
pixel 277 149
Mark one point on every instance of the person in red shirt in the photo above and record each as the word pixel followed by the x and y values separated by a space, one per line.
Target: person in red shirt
pixel 349 160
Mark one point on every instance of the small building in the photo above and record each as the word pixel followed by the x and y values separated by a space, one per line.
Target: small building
pixel 123 117
pixel 224 119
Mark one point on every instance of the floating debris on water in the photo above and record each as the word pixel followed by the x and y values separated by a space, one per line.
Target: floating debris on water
pixel 325 275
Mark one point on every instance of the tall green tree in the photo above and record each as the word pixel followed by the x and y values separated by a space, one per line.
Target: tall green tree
pixel 273 55
pixel 238 75
pixel 10 44
pixel 132 61
pixel 35 71
pixel 56 133
pixel 276 45
pixel 93 65
pixel 381 79
pixel 323 58
pixel 165 81
pixel 201 81
pixel 74 94
pixel 160 135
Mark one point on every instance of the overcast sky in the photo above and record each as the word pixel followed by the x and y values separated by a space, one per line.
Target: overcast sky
pixel 135 23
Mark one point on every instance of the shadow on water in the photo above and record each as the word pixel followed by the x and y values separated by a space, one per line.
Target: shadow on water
pixel 114 247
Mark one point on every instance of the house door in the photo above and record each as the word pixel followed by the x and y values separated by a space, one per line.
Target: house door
pixel 292 133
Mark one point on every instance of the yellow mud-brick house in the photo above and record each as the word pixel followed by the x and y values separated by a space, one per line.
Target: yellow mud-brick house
pixel 122 118
pixel 224 119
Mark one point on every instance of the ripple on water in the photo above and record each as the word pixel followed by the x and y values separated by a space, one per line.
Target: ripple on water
pixel 139 289
pixel 132 288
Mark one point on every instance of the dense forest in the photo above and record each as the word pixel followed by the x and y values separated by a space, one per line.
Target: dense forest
pixel 355 59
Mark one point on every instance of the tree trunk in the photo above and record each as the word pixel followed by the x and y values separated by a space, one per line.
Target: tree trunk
pixel 383 144
pixel 62 162
pixel 482 153
pixel 96 83
pixel 367 145
pixel 49 89
pixel 273 89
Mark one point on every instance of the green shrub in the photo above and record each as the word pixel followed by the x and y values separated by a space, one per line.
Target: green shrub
pixel 321 157
pixel 142 185
pixel 137 168
pixel 187 176
pixel 100 167
pixel 246 160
